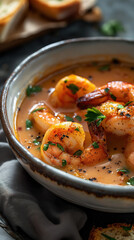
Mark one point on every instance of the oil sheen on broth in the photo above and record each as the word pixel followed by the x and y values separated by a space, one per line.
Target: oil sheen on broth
pixel 108 171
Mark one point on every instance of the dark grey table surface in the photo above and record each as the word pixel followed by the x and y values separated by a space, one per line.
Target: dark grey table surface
pixel 121 10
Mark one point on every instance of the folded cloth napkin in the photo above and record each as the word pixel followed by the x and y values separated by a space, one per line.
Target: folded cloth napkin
pixel 31 208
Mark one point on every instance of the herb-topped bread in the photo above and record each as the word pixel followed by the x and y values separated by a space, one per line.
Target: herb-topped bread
pixel 57 9
pixel 119 231
pixel 10 13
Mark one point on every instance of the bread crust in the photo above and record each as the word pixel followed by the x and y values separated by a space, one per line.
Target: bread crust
pixel 7 18
pixel 95 233
pixel 8 22
pixel 57 11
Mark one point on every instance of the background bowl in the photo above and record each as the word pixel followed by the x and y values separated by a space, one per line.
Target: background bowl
pixel 85 193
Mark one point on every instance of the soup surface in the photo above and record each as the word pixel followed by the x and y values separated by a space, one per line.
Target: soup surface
pixel 40 99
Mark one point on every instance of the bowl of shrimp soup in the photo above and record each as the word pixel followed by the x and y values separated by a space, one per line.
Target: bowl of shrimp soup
pixel 67 112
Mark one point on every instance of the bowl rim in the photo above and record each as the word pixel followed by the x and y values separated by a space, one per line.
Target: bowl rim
pixel 53 174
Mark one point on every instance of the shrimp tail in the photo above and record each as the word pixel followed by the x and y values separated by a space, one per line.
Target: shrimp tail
pixel 98 135
pixel 97 151
pixel 92 99
pixel 116 90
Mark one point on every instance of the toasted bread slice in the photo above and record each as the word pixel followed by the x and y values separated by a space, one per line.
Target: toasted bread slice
pixel 11 12
pixel 57 9
pixel 118 231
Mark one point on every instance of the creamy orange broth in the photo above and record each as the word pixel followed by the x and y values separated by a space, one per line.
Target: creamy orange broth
pixel 106 172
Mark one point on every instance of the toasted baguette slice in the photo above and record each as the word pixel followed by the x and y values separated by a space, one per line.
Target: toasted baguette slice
pixel 11 12
pixel 57 9
pixel 113 231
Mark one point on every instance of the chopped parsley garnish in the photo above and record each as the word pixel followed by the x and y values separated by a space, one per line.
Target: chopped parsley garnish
pixel 113 97
pixel 94 114
pixel 108 237
pixel 128 103
pixel 107 90
pixel 64 163
pixel 131 181
pixel 104 68
pixel 120 106
pixel 46 146
pixel 52 144
pixel 95 145
pixel 38 109
pixel 65 81
pixel 77 129
pixel 36 142
pixel 112 28
pixel 79 118
pixel 78 153
pixel 28 124
pixel 32 89
pixel 69 119
pixel 74 89
pixel 123 170
pixel 60 147
pixel 127 228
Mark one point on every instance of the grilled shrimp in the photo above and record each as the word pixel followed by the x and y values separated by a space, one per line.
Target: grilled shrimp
pixel 69 89
pixel 117 91
pixel 43 118
pixel 63 144
pixel 119 119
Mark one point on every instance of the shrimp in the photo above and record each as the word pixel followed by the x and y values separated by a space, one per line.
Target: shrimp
pixel 69 89
pixel 119 119
pixel 129 152
pixel 118 91
pixel 43 118
pixel 63 144
pixel 119 116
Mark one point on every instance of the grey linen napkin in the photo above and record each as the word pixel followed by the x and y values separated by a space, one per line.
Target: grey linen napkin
pixel 29 207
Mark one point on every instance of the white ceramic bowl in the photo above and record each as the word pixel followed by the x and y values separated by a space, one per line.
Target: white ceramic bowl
pixel 93 195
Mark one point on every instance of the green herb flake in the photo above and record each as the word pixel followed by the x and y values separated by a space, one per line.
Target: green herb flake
pixel 77 129
pixel 131 181
pixel 69 119
pixel 79 118
pixel 74 89
pixel 123 170
pixel 128 103
pixel 104 68
pixel 94 114
pixel 65 81
pixel 108 237
pixel 38 109
pixel 32 89
pixel 111 28
pixel 107 90
pixel 60 147
pixel 78 153
pixel 127 228
pixel 28 124
pixel 46 146
pixel 113 97
pixel 95 145
pixel 120 106
pixel 64 163
pixel 38 148
pixel 36 142
pixel 52 144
